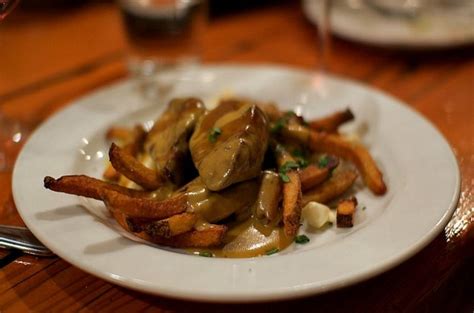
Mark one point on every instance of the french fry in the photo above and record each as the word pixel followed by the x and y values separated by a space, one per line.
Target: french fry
pixel 345 212
pixel 172 226
pixel 132 144
pixel 209 237
pixel 143 207
pixel 117 133
pixel 312 176
pixel 131 168
pixel 356 153
pixel 82 185
pixel 110 173
pixel 292 204
pixel 335 186
pixel 291 190
pixel 125 135
pixel 331 122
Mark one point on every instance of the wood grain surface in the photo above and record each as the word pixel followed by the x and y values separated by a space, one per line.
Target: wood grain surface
pixel 50 57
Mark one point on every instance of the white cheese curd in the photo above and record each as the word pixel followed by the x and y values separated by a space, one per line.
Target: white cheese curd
pixel 317 214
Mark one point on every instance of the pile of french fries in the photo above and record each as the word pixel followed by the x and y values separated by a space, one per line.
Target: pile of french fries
pixel 306 167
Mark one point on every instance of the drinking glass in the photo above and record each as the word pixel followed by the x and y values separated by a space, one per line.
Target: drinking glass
pixel 12 133
pixel 163 41
pixel 318 81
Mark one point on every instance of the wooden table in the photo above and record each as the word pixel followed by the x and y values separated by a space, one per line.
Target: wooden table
pixel 48 58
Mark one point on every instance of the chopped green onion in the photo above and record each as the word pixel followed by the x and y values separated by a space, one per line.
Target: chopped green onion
pixel 272 251
pixel 301 158
pixel 323 161
pixel 297 153
pixel 278 125
pixel 284 177
pixel 214 133
pixel 206 254
pixel 289 165
pixel 302 239
pixel 303 163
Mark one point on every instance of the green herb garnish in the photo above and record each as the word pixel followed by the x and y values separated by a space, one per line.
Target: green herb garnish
pixel 278 126
pixel 300 158
pixel 284 177
pixel 323 161
pixel 363 208
pixel 206 254
pixel 303 163
pixel 287 166
pixel 281 122
pixel 214 133
pixel 302 239
pixel 297 153
pixel 272 251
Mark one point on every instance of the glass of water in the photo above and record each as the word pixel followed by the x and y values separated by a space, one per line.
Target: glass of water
pixel 164 41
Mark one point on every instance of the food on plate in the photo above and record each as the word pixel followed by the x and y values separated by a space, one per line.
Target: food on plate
pixel 236 181
pixel 126 164
pixel 332 188
pixel 331 123
pixel 317 214
pixel 345 212
pixel 130 139
pixel 229 143
pixel 167 143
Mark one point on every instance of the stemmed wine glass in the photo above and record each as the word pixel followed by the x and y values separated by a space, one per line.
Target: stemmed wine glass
pixel 318 81
pixel 11 131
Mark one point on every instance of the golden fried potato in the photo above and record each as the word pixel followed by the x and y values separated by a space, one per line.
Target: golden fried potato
pixel 145 207
pixel 331 123
pixel 354 152
pixel 339 183
pixel 292 204
pixel 345 212
pixel 132 144
pixel 288 169
pixel 82 185
pixel 205 238
pixel 312 176
pixel 133 169
pixel 172 226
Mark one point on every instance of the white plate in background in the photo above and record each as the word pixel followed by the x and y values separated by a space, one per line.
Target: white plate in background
pixel 430 29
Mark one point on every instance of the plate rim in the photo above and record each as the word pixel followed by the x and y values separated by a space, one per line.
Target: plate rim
pixel 261 296
pixel 398 44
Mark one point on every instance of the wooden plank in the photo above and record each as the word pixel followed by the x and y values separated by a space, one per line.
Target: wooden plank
pixel 44 43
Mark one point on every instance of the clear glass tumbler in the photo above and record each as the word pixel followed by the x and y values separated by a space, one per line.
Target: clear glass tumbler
pixel 164 39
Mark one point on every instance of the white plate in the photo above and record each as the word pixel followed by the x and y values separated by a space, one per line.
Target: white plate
pixel 418 165
pixel 431 28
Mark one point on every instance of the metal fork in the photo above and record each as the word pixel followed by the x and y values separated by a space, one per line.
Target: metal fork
pixel 20 238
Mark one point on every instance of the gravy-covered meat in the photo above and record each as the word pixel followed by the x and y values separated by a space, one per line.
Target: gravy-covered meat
pixel 167 141
pixel 229 144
